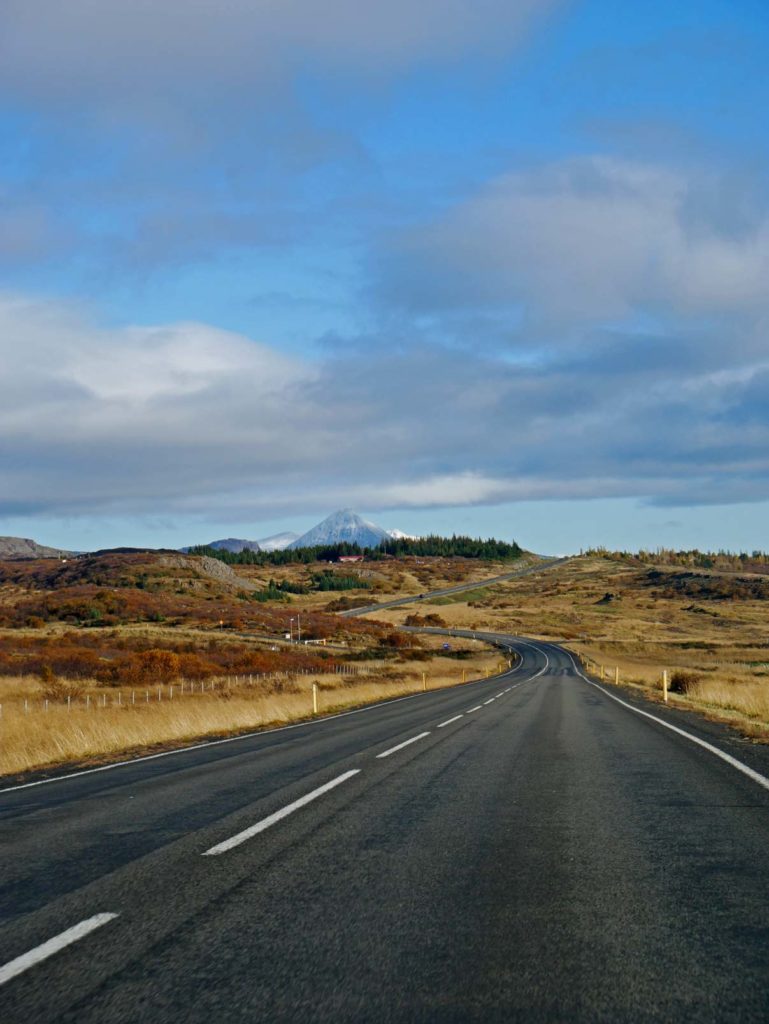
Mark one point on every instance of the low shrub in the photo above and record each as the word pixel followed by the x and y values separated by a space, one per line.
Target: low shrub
pixel 682 681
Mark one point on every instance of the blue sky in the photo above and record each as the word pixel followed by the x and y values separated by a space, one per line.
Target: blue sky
pixel 500 267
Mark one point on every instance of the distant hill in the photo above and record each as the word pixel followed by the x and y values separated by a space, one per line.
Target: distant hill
pixel 342 527
pixel 233 544
pixel 277 542
pixel 22 547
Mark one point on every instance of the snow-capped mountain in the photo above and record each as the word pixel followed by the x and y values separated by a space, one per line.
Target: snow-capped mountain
pixel 400 535
pixel 341 527
pixel 278 541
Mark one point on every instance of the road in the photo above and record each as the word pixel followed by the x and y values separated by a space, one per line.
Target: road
pixel 459 588
pixel 524 848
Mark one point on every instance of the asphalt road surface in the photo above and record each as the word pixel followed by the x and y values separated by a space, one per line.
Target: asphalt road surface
pixel 525 848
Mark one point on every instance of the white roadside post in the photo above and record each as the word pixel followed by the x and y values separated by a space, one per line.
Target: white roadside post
pixel 616 676
pixel 315 698
pixel 665 685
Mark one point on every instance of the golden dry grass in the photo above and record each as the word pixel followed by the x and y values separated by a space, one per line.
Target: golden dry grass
pixel 386 579
pixel 747 697
pixel 724 643
pixel 102 723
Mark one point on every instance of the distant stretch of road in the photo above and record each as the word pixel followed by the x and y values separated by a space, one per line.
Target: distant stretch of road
pixel 460 588
pixel 531 847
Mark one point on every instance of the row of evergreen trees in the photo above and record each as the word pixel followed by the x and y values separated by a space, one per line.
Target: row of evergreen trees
pixel 448 547
pixel 425 547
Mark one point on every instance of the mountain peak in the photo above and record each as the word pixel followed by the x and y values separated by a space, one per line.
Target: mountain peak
pixel 343 526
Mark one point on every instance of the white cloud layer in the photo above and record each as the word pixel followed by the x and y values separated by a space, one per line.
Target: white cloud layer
pixel 186 418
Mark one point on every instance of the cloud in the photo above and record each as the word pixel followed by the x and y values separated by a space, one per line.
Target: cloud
pixel 162 134
pixel 128 48
pixel 186 418
pixel 586 240
pixel 27 231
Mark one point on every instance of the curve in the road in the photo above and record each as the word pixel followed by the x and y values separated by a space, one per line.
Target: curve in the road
pixel 520 848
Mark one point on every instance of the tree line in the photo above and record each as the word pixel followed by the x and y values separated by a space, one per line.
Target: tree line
pixel 434 546
pixel 756 561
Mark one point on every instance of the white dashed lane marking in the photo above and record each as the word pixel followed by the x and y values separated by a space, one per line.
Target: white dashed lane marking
pixel 260 826
pixel 58 942
pixel 450 720
pixel 400 746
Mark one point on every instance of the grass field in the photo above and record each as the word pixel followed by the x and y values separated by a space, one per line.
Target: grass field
pixel 45 725
pixel 709 630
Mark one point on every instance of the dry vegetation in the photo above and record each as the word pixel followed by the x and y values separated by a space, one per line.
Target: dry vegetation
pixel 46 722
pixel 124 652
pixel 99 630
pixel 708 628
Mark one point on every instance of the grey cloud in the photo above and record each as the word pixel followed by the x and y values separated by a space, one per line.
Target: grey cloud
pixel 187 418
pixel 586 240
pixel 122 47
pixel 28 231
pixel 149 102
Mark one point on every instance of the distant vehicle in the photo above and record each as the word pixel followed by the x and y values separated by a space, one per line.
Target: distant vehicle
pixel 447 647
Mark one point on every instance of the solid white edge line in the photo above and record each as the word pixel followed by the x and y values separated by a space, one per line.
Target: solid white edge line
pixel 449 721
pixel 544 668
pixel 39 953
pixel 271 819
pixel 740 767
pixel 478 707
pixel 392 750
